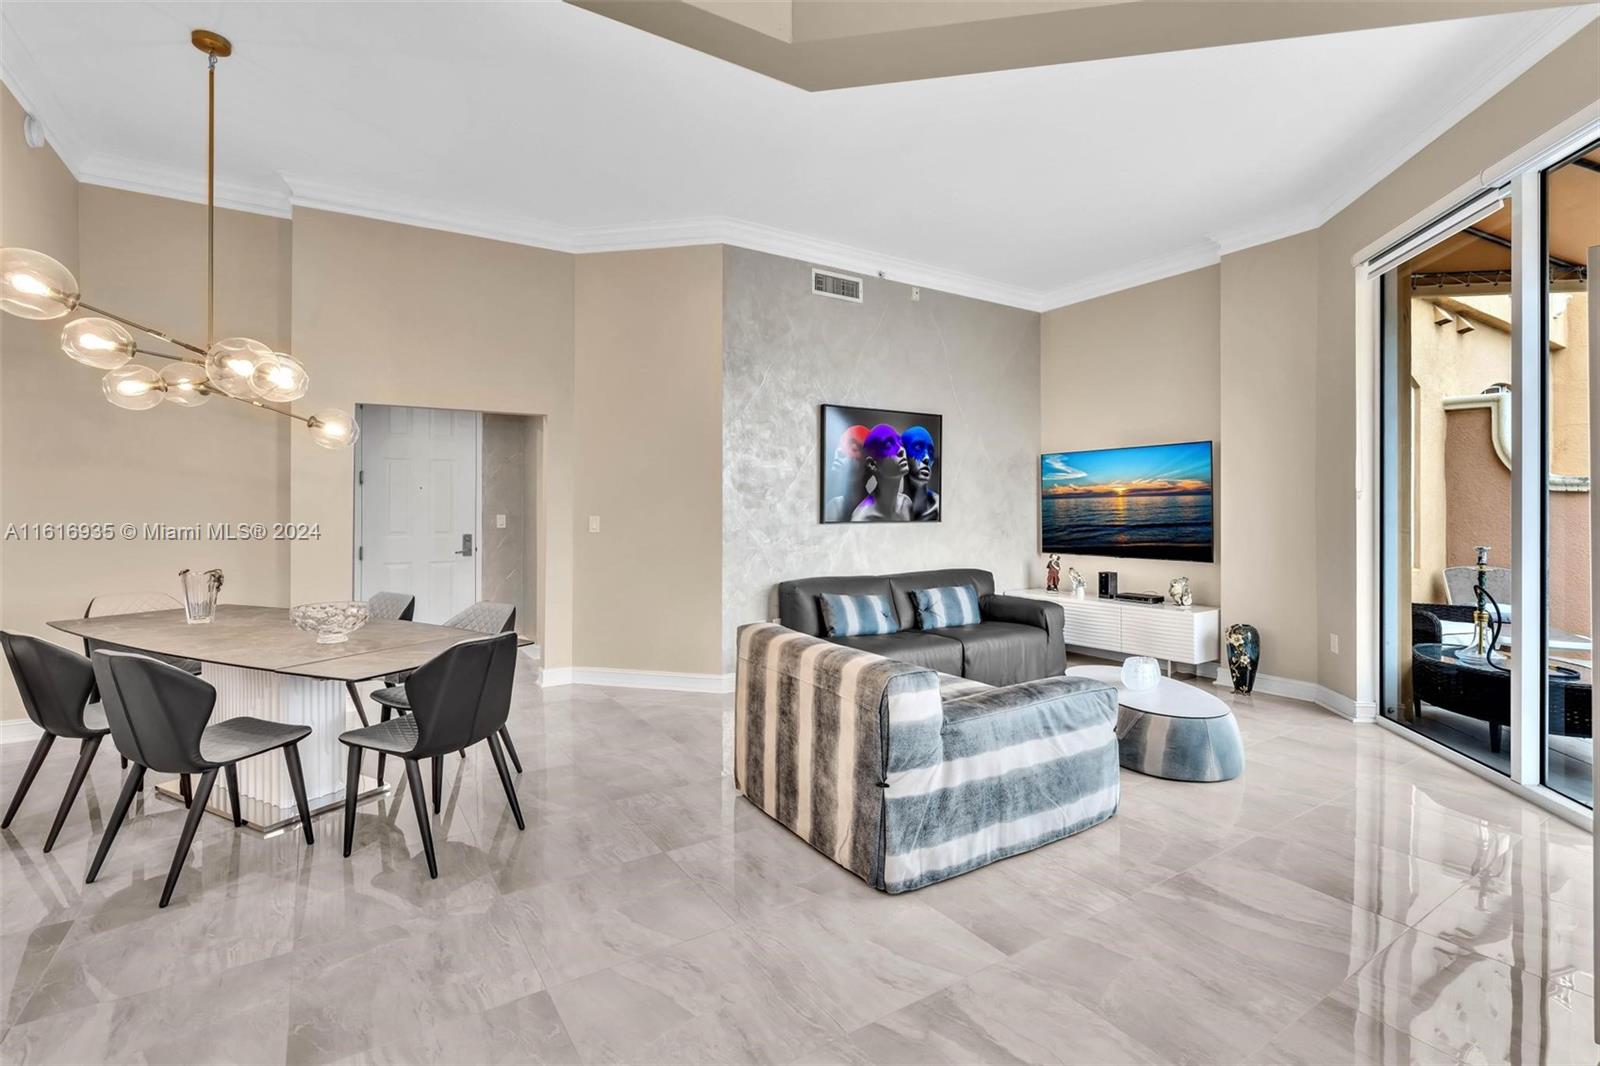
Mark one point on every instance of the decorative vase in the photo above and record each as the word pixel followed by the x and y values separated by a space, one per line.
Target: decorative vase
pixel 1140 672
pixel 1244 655
pixel 1180 592
pixel 200 595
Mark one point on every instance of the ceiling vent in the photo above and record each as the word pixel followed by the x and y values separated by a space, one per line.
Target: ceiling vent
pixel 837 286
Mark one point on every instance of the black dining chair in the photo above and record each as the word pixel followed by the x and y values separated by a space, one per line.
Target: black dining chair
pixel 482 617
pixel 159 717
pixel 56 685
pixel 457 699
pixel 382 607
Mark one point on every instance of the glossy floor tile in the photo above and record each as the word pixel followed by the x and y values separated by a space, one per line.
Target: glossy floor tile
pixel 1350 899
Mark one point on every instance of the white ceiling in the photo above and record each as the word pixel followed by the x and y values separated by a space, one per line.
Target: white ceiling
pixel 546 124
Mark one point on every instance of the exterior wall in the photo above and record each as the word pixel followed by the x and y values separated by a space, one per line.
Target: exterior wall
pixel 649 401
pixel 786 352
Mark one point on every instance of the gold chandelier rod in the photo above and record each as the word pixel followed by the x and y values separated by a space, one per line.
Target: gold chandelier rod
pixel 215 46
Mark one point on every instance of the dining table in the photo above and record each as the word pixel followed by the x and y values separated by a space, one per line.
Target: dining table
pixel 263 666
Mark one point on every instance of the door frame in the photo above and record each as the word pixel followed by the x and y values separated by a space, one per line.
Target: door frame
pixel 359 487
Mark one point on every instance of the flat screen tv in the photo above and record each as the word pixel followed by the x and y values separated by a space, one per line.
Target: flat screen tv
pixel 1152 502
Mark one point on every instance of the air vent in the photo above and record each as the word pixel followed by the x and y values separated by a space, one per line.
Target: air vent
pixel 838 286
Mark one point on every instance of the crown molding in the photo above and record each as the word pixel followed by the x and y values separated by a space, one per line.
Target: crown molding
pixel 1203 254
pixel 114 172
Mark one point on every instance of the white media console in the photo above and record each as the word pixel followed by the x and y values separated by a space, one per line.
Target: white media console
pixel 1159 630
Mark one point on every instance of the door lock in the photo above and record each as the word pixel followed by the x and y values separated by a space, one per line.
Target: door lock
pixel 466 544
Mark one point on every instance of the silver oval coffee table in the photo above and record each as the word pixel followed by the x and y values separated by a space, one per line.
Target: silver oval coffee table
pixel 1172 730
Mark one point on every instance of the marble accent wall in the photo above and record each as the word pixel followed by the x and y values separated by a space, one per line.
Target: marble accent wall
pixel 505 491
pixel 786 352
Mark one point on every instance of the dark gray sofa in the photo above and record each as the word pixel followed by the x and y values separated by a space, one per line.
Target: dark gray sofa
pixel 1018 639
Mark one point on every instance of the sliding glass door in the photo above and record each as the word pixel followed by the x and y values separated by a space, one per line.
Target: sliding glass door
pixel 1486 544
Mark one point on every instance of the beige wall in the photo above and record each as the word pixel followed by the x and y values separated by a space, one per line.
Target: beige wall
pixel 1137 367
pixel 1550 92
pixel 1268 499
pixel 392 314
pixel 649 466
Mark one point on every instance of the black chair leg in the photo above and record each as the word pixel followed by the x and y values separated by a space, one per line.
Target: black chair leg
pixel 355 698
pixel 438 781
pixel 35 761
pixel 130 789
pixel 183 790
pixel 291 755
pixel 420 802
pixel 505 779
pixel 352 785
pixel 85 758
pixel 123 761
pixel 505 738
pixel 232 770
pixel 382 756
pixel 197 811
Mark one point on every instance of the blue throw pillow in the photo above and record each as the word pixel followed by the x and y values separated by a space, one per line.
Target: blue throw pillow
pixel 941 608
pixel 871 615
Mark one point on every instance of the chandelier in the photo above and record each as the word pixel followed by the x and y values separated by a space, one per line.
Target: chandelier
pixel 33 285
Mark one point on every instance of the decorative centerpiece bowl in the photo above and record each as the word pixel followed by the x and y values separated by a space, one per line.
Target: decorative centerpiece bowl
pixel 330 623
pixel 1140 672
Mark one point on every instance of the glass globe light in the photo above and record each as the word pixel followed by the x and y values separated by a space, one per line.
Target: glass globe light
pixel 97 342
pixel 185 384
pixel 32 285
pixel 231 363
pixel 280 379
pixel 333 428
pixel 134 387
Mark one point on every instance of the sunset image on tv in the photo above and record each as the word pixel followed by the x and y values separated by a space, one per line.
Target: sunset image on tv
pixel 1138 503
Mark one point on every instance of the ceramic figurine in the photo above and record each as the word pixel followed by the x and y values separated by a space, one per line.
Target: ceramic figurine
pixel 1052 574
pixel 1244 655
pixel 1180 593
pixel 1074 581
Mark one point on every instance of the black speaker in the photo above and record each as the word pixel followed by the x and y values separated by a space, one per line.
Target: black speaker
pixel 1108 584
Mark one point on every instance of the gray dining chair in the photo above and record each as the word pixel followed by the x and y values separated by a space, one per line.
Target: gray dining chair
pixel 56 685
pixel 459 698
pixel 160 718
pixel 382 607
pixel 485 616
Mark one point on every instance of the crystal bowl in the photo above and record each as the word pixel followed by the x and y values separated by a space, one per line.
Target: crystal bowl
pixel 1140 672
pixel 330 623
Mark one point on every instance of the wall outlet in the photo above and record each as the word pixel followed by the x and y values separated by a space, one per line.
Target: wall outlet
pixel 1333 643
pixel 916 293
pixel 499 521
pixel 594 523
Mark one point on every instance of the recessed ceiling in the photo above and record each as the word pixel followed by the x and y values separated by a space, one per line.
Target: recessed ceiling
pixel 551 125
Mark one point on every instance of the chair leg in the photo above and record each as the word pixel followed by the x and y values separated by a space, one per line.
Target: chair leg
pixel 232 771
pixel 438 781
pixel 123 761
pixel 130 788
pixel 291 755
pixel 383 756
pixel 34 762
pixel 355 698
pixel 197 811
pixel 505 779
pixel 85 758
pixel 352 785
pixel 420 802
pixel 184 791
pixel 505 738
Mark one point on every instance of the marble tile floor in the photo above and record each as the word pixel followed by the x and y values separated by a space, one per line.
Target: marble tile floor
pixel 1350 899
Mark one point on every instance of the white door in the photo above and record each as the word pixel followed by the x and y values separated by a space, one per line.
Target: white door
pixel 417 507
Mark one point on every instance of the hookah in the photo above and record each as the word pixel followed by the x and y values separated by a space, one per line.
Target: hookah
pixel 1485 626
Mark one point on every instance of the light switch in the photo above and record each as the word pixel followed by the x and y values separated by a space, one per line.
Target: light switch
pixel 594 523
pixel 499 521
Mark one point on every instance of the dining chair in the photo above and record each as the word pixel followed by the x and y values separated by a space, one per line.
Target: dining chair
pixel 383 607
pixel 160 718
pixel 56 684
pixel 139 603
pixel 456 699
pixel 485 616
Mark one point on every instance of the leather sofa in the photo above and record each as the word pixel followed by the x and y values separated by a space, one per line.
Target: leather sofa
pixel 1017 640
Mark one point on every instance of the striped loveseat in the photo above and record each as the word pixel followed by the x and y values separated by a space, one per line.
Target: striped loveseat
pixel 904 782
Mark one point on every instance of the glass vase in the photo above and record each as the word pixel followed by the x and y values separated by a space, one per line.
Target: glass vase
pixel 200 594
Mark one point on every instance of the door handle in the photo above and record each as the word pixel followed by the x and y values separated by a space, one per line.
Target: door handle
pixel 466 544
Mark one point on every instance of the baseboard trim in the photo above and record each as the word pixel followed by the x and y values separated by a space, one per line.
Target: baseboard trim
pixel 18 731
pixel 1295 689
pixel 610 677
